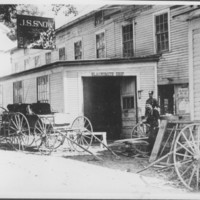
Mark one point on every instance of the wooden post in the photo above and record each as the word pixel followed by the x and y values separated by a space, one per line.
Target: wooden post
pixel 159 138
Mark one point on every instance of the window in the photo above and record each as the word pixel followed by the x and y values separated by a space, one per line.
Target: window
pixel 127 32
pixel 17 92
pixel 62 53
pixel 162 32
pixel 128 102
pixel 100 45
pixel 26 64
pixel 43 89
pixel 48 57
pixel 99 18
pixel 37 61
pixel 78 50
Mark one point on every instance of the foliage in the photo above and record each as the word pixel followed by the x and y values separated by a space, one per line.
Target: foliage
pixel 8 14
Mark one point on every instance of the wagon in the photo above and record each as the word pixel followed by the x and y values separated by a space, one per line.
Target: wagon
pixel 35 125
pixel 185 151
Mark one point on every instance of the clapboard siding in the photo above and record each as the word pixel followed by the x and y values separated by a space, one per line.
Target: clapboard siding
pixel 72 94
pixel 56 92
pixel 30 90
pixel 7 93
pixel 196 74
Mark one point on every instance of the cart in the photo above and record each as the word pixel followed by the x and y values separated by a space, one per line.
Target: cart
pixel 185 151
pixel 25 126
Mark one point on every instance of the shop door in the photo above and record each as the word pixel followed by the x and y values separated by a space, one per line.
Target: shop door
pixel 128 105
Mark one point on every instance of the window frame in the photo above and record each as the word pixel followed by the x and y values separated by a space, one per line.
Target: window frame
pixel 26 63
pixel 126 97
pixel 162 12
pixel 123 26
pixel 96 34
pixel 63 56
pixel 48 57
pixel 80 50
pixel 37 61
pixel 43 91
pixel 19 92
pixel 98 20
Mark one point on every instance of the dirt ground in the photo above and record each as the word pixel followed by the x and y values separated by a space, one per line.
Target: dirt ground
pixel 122 163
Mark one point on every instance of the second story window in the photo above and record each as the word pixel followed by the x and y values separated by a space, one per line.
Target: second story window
pixel 162 32
pixel 17 92
pixel 37 61
pixel 100 45
pixel 62 53
pixel 48 57
pixel 127 32
pixel 26 64
pixel 98 18
pixel 16 68
pixel 78 50
pixel 43 89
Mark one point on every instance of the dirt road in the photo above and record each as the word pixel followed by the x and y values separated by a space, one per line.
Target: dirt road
pixel 25 175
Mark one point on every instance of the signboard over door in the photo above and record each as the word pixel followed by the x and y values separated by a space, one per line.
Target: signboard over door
pixel 35 32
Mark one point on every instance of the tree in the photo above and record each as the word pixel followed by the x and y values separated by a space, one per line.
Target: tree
pixel 8 13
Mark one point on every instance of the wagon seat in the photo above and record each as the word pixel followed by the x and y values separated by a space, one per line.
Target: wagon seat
pixel 44 110
pixel 18 107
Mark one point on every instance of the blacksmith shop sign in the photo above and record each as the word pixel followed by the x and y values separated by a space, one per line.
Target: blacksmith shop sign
pixel 35 32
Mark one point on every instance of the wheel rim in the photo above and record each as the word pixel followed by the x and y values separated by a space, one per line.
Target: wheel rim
pixel 187 156
pixel 19 131
pixel 140 130
pixel 82 133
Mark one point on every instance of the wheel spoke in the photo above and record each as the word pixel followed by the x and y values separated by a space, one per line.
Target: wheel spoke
pixel 185 148
pixel 187 141
pixel 193 172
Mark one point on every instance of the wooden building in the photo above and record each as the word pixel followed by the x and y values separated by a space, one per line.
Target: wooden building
pixel 104 65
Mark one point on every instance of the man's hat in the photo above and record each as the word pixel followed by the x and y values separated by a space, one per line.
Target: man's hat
pixel 150 92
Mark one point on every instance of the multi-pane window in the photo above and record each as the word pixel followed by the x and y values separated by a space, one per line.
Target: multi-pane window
pixel 100 45
pixel 127 32
pixel 128 102
pixel 37 61
pixel 78 50
pixel 99 18
pixel 17 92
pixel 26 64
pixel 162 32
pixel 43 89
pixel 62 53
pixel 48 57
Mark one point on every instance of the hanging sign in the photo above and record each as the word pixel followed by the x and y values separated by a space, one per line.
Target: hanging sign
pixel 35 32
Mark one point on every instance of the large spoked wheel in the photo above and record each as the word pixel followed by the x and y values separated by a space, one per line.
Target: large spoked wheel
pixel 187 156
pixel 81 134
pixel 140 130
pixel 18 131
pixel 46 138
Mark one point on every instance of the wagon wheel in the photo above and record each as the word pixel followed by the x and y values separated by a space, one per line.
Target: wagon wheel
pixel 141 148
pixel 82 133
pixel 46 138
pixel 18 131
pixel 187 156
pixel 140 130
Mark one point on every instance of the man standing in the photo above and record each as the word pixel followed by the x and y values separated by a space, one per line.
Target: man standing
pixel 152 101
pixel 153 119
